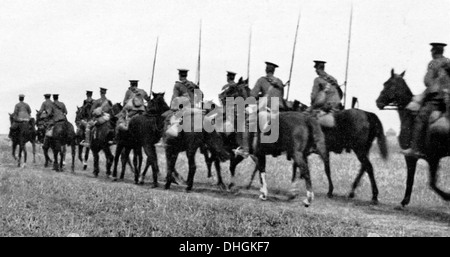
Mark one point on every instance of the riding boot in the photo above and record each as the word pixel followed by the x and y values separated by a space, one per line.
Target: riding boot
pixel 417 140
pixel 419 131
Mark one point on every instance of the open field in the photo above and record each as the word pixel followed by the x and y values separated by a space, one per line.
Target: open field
pixel 39 202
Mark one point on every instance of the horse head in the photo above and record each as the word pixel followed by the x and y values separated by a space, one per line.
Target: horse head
pixel 116 109
pixel 296 106
pixel 239 89
pixel 395 92
pixel 157 105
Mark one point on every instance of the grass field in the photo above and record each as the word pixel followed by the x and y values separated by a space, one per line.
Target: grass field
pixel 39 202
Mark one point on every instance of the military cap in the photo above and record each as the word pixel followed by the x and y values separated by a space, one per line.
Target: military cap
pixel 134 82
pixel 230 73
pixel 319 63
pixel 272 64
pixel 438 44
pixel 47 95
pixel 55 95
pixel 183 72
pixel 21 95
pixel 103 90
pixel 89 92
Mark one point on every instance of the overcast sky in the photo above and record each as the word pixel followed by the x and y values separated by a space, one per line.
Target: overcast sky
pixel 67 47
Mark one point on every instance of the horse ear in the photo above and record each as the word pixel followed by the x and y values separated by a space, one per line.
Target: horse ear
pixel 392 72
pixel 153 94
pixel 403 74
pixel 162 94
pixel 240 80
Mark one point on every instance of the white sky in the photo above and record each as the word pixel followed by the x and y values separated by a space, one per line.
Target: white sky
pixel 67 47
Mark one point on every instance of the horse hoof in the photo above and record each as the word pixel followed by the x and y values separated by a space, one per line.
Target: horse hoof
pixel 404 203
pixel 351 195
pixel 263 197
pixel 306 203
pixel 167 187
pixel 141 183
pixel 114 179
pixel 84 167
pixel 330 195
pixel 374 202
pixel 155 185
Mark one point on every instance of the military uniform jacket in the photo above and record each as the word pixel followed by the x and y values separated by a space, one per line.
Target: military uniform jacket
pixel 325 90
pixel 269 86
pixel 131 93
pixel 88 102
pixel 434 71
pixel 22 112
pixel 104 103
pixel 59 111
pixel 186 89
pixel 47 106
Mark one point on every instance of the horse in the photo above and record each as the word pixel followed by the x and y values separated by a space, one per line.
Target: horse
pixel 189 141
pixel 63 133
pixel 144 132
pixel 355 130
pixel 396 93
pixel 82 113
pixel 24 132
pixel 101 135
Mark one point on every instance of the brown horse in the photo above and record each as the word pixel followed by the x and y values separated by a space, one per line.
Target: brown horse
pixel 396 93
pixel 23 133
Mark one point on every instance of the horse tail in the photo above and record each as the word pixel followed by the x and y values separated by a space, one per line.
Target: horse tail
pixel 377 128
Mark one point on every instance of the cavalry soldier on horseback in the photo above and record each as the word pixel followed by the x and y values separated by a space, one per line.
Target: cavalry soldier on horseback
pixel 87 105
pixel 326 93
pixel 100 111
pixel 268 86
pixel 184 92
pixel 133 104
pixel 432 99
pixel 46 111
pixel 59 113
pixel 22 113
pixel 230 80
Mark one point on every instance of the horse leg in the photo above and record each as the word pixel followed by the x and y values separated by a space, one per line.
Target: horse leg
pixel 192 168
pixel 73 151
pixel 117 156
pixel 109 160
pixel 325 155
pixel 20 155
pixel 25 154
pixel 209 160
pixel 80 153
pixel 95 153
pixel 86 158
pixel 434 167
pixel 55 158
pixel 171 159
pixel 33 145
pixel 302 163
pixel 14 147
pixel 411 164
pixel 151 156
pixel 63 157
pixel 235 160
pixel 219 174
pixel 261 166
pixel 137 160
pixel 124 157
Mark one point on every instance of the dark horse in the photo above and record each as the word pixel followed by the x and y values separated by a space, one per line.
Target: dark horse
pixel 397 93
pixel 144 132
pixel 189 141
pixel 24 132
pixel 101 135
pixel 356 130
pixel 63 134
pixel 83 113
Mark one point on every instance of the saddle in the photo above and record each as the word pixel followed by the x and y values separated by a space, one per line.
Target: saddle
pixel 438 120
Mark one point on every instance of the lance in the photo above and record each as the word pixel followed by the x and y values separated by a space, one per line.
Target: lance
pixel 153 69
pixel 293 55
pixel 348 54
pixel 199 54
pixel 249 54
